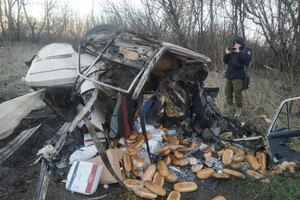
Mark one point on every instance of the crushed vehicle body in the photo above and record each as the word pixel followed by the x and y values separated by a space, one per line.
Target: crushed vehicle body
pixel 146 98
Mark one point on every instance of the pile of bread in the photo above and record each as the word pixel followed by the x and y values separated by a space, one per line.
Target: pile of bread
pixel 148 180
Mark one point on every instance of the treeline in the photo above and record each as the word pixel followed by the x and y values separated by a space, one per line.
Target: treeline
pixel 271 28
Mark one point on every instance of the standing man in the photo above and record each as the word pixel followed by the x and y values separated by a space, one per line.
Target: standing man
pixel 237 59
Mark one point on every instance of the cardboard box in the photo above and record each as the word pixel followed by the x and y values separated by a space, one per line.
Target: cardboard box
pixel 83 177
pixel 114 156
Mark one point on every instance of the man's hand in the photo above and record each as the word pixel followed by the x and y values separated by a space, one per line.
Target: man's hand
pixel 237 50
pixel 227 50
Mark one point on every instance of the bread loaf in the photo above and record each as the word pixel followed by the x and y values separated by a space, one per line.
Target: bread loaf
pixel 221 175
pixel 185 186
pixel 220 153
pixel 172 139
pixel 208 156
pixel 252 161
pixel 205 173
pixel 255 174
pixel 155 188
pixel 166 153
pixel 174 195
pixel 237 165
pixel 227 157
pixel 163 168
pixel 196 168
pixel 175 161
pixel 193 161
pixel 133 183
pixel 219 198
pixel 145 193
pixel 158 179
pixel 127 162
pixel 234 173
pixel 131 151
pixel 161 150
pixel 164 138
pixel 262 159
pixel 167 160
pixel 138 143
pixel 133 135
pixel 171 178
pixel 178 155
pixel 137 161
pixel 239 151
pixel 149 173
pixel 184 162
pixel 238 158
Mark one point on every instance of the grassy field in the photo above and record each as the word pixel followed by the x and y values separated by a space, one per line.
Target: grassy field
pixel 264 96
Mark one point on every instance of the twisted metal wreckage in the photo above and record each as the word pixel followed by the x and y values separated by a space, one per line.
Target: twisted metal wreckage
pixel 118 79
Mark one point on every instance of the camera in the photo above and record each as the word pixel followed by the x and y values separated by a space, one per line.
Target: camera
pixel 231 49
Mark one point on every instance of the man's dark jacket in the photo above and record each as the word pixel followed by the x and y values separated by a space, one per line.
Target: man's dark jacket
pixel 236 61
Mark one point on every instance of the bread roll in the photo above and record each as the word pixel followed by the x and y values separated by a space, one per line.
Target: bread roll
pixel 161 150
pixel 262 159
pixel 158 179
pixel 155 188
pixel 208 149
pixel 178 155
pixel 172 178
pixel 195 143
pixel 164 138
pixel 237 150
pixel 149 173
pixel 234 173
pixel 196 168
pixel 208 156
pixel 184 162
pixel 145 193
pixel 175 161
pixel 172 139
pixel 133 135
pixel 238 158
pixel 149 135
pixel 255 174
pixel 137 161
pixel 220 153
pixel 163 168
pixel 221 175
pixel 167 160
pixel 219 198
pixel 193 161
pixel 237 165
pixel 133 183
pixel 127 162
pixel 131 151
pixel 166 153
pixel 252 161
pixel 138 143
pixel 186 141
pixel 205 173
pixel 185 186
pixel 174 195
pixel 227 157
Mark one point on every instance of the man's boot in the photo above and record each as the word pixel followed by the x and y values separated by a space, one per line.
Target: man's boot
pixel 238 112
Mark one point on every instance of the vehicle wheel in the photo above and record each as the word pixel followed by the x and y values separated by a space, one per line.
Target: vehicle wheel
pixel 97 37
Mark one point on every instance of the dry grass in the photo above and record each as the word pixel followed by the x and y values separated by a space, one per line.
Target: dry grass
pixel 13 68
pixel 263 97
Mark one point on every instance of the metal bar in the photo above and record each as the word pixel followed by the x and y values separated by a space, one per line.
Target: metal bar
pixel 101 151
pixel 16 143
